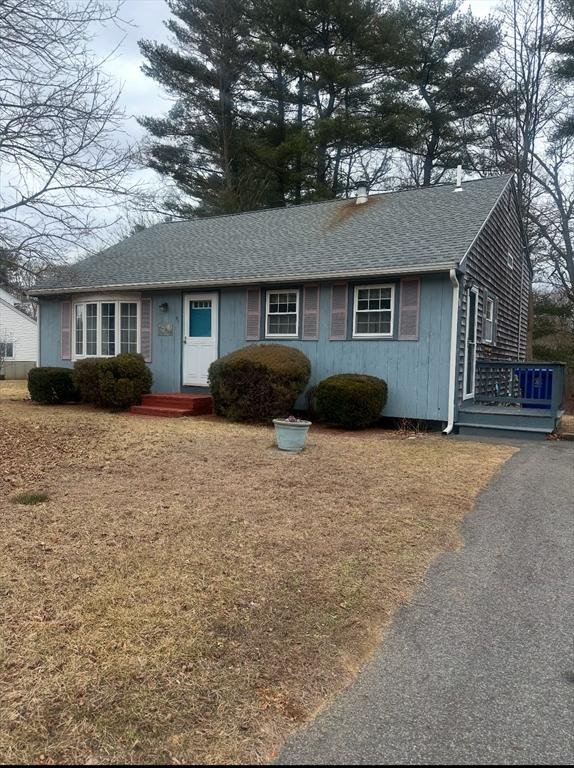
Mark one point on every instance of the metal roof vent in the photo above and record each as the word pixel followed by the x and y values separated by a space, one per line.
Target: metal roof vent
pixel 362 192
pixel 458 187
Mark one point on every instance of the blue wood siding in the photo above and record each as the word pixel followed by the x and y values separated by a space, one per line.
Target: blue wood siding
pixel 415 371
pixel 166 350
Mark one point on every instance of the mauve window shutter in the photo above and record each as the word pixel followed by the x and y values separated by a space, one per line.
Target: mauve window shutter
pixel 253 314
pixel 66 331
pixel 339 299
pixel 145 329
pixel 311 312
pixel 409 311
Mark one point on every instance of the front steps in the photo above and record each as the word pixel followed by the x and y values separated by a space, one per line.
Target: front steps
pixel 174 405
pixel 502 421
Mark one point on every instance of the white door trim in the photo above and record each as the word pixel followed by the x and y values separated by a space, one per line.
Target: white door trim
pixel 468 395
pixel 194 378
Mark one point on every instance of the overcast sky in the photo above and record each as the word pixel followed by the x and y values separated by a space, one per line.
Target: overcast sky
pixel 140 94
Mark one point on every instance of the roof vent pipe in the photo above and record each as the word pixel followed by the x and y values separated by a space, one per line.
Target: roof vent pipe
pixel 362 192
pixel 458 187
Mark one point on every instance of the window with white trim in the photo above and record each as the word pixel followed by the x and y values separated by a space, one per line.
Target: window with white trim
pixel 6 349
pixel 282 314
pixel 488 321
pixel 105 328
pixel 373 314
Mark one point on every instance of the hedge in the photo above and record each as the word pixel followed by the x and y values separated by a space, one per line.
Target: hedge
pixel 258 383
pixel 350 400
pixel 51 385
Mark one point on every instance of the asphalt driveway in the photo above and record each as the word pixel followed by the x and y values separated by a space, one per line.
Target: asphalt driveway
pixel 479 669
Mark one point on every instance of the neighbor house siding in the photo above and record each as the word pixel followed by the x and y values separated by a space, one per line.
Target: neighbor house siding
pixel 21 331
pixel 486 267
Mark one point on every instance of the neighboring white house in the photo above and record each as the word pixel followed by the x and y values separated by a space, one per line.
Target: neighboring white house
pixel 18 338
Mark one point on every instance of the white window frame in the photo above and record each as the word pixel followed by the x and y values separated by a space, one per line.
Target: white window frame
pixel 356 310
pixel 488 303
pixel 275 314
pixel 468 395
pixel 117 300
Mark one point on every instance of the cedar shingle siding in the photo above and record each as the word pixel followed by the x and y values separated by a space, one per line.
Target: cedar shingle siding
pixel 487 267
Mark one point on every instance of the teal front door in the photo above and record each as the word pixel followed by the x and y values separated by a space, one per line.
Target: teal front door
pixel 200 340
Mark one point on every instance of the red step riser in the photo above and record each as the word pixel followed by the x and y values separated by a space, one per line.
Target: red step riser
pixel 177 400
pixel 196 409
pixel 175 403
pixel 143 410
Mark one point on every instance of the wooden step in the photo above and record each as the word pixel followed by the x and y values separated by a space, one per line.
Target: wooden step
pixel 174 404
pixel 500 418
pixel 199 404
pixel 152 410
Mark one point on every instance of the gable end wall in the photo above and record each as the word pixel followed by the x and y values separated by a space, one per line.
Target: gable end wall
pixel 487 267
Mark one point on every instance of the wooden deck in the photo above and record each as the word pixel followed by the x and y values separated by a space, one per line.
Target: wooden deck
pixel 514 399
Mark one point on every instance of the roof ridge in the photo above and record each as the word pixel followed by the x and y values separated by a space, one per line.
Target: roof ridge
pixel 332 201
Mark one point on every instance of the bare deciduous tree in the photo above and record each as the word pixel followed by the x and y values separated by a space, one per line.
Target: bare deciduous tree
pixel 63 156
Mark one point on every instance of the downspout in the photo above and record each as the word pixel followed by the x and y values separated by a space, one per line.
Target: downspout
pixel 453 352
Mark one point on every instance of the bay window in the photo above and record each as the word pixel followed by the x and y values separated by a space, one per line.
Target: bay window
pixel 105 328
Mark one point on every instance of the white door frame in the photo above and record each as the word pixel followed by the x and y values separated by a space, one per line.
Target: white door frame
pixel 468 395
pixel 188 380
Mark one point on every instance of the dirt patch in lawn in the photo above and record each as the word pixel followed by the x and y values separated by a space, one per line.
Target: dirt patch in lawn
pixel 188 593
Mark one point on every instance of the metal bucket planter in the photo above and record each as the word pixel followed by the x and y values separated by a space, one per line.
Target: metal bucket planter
pixel 291 434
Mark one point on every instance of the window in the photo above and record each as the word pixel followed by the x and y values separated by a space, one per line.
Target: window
pixel 6 349
pixel 374 310
pixel 510 259
pixel 282 317
pixel 108 329
pixel 488 321
pixel 128 327
pixel 105 328
pixel 79 328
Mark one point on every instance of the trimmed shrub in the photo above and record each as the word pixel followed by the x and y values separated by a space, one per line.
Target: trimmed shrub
pixel 258 383
pixel 85 377
pixel 122 380
pixel 351 400
pixel 51 385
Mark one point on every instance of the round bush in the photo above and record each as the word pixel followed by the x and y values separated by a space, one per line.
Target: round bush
pixel 122 380
pixel 351 400
pixel 85 377
pixel 51 385
pixel 258 383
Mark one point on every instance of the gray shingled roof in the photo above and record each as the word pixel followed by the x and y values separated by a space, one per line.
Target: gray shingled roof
pixel 419 229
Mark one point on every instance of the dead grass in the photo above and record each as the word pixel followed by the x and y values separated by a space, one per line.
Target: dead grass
pixel 189 593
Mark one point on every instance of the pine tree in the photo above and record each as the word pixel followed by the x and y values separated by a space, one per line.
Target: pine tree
pixel 274 100
pixel 564 70
pixel 198 144
pixel 442 61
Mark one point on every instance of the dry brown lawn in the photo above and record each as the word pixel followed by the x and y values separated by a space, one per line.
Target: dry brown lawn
pixel 189 594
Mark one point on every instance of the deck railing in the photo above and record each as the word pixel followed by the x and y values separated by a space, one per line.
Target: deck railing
pixel 525 385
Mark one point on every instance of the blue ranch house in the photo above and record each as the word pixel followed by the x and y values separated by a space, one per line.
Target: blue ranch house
pixel 427 288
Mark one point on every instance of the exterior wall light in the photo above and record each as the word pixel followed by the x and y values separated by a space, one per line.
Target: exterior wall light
pixel 163 307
